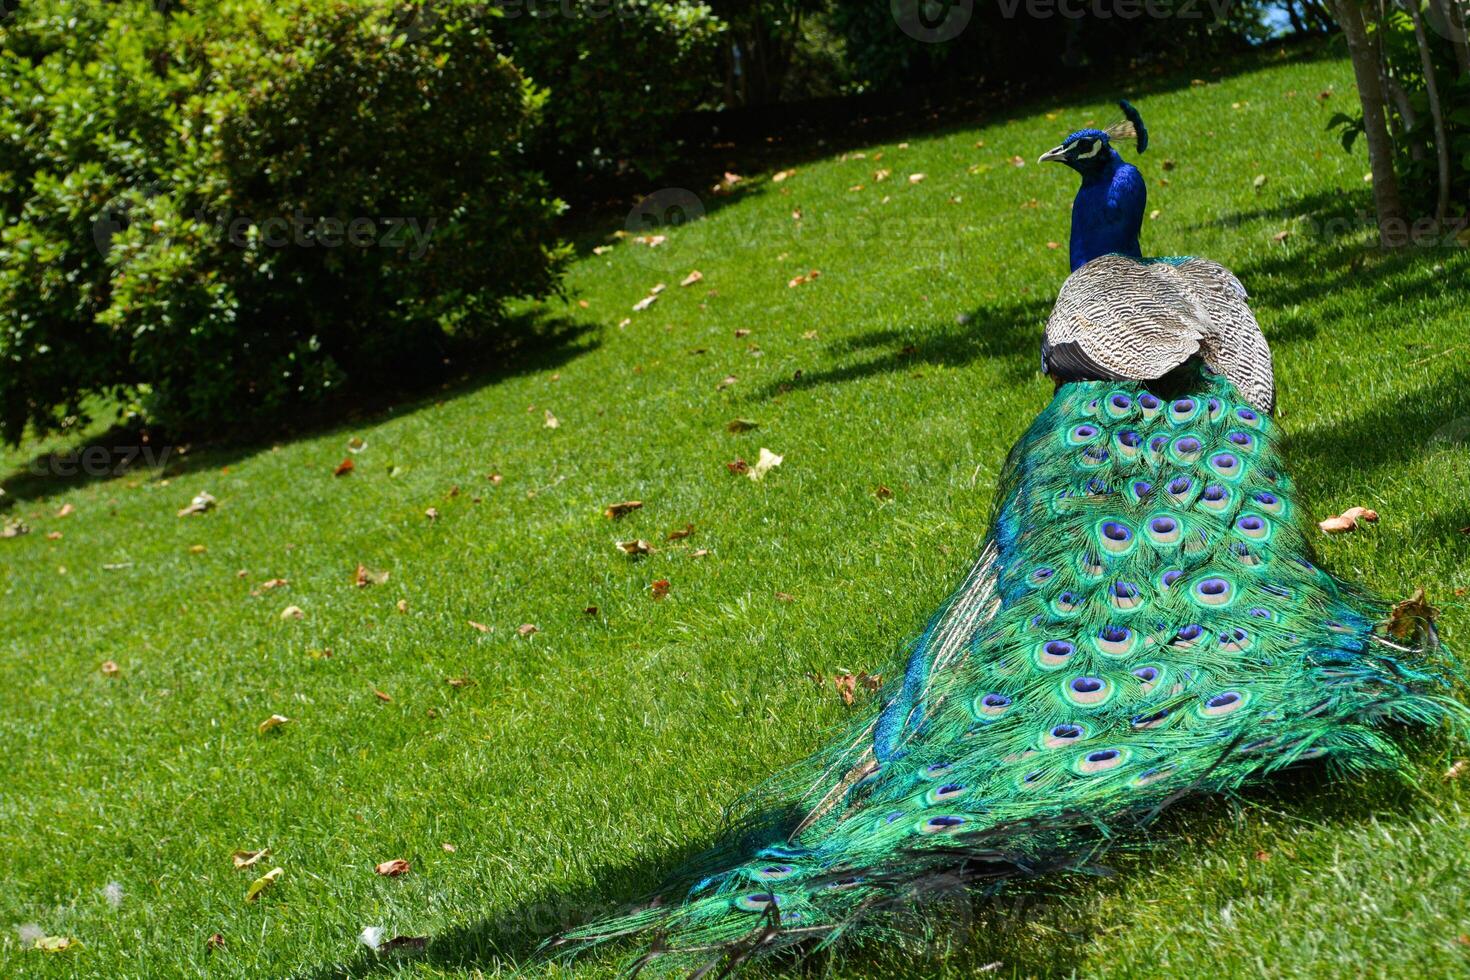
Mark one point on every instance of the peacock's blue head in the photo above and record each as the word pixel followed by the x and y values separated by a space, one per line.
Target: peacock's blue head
pixel 1089 151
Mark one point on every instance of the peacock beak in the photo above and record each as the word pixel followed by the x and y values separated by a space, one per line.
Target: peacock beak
pixel 1060 153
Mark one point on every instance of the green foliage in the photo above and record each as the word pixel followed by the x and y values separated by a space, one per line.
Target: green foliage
pixel 619 73
pixel 237 209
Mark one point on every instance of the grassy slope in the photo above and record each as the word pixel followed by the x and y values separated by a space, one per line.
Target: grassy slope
pixel 589 758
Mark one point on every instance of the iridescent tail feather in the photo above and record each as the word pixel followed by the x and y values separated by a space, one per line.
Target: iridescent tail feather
pixel 1145 622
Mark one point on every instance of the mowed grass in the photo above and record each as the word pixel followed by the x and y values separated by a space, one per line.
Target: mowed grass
pixel 586 760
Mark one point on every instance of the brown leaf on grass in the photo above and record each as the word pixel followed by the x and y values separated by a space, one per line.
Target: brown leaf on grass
pixel 550 421
pixel 66 510
pixel 782 175
pixel 590 611
pixel 245 859
pixel 1411 616
pixel 293 612
pixel 659 588
pixel 1348 520
pixel 785 597
pixel 846 684
pixel 612 511
pixel 1281 236
pixel 194 549
pixel 1259 182
pixel 1457 769
pixel 637 546
pixel 365 576
pixel 742 332
pixel 871 682
pixel 767 462
pixel 494 478
pixel 432 513
pixel 461 681
pixel 738 466
pixel 14 528
pixel 726 382
pixel 399 943
pixel 401 605
pixel 345 467
pixel 918 178
pixel 1263 856
pixel 449 848
pixel 110 668
pixel 271 583
pixel 259 885
pixel 679 534
pixel 479 626
pixel 699 553
pixel 383 696
pixel 393 868
pixel 527 629
pixel 203 501
pixel 741 425
pixel 215 941
pixel 881 175
pixel 883 493
pixel 1053 245
pixel 1018 161
pixel 811 276
pixel 692 278
pixel 1168 164
pixel 272 723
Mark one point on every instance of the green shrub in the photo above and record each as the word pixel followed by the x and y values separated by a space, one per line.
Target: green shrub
pixel 238 209
pixel 619 73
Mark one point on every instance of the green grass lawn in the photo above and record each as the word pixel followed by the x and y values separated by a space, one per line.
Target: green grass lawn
pixel 584 761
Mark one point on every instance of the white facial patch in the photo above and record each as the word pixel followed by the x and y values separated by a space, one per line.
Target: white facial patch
pixel 1096 149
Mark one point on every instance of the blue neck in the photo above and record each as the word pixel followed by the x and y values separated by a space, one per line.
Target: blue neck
pixel 1107 213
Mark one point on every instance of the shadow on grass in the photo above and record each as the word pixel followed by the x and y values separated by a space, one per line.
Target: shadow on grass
pixel 1005 331
pixel 540 342
pixel 959 933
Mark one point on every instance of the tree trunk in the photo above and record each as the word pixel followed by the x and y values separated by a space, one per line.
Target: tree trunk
pixel 1431 85
pixel 1380 150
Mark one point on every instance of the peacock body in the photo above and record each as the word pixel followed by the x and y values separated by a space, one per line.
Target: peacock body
pixel 1144 621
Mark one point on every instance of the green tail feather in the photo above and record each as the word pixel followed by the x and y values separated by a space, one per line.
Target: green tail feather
pixel 1145 622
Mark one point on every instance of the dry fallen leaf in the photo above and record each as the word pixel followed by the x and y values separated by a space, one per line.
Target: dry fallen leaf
pixel 1168 164
pixel 699 553
pixel 432 513
pixel 881 175
pixel 404 942
pixel 345 467
pixel 726 382
pixel 1259 182
pixel 55 944
pixel 215 941
pixel 272 723
pixel 692 278
pixel 383 696
pixel 871 682
pixel 1281 236
pixel 1053 245
pixel 782 175
pixel 551 421
pixel 738 466
pixel 681 533
pixel 293 612
pixel 612 511
pixel 767 462
pixel 393 868
pixel 660 588
pixel 635 547
pixel 917 178
pixel 1348 520
pixel 883 493
pixel 1457 769
pixel 479 626
pixel 845 683
pixel 66 510
pixel 356 444
pixel 1411 616
pixel 526 629
pixel 449 848
pixel 785 597
pixel 14 528
pixel 811 276
pixel 265 881
pixel 741 425
pixel 459 682
pixel 110 668
pixel 590 611
pixel 203 501
pixel 244 859
pixel 365 576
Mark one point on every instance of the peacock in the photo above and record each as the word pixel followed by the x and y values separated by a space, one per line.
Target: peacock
pixel 1144 622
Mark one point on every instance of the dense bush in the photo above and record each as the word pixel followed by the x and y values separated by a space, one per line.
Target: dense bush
pixel 235 209
pixel 618 74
